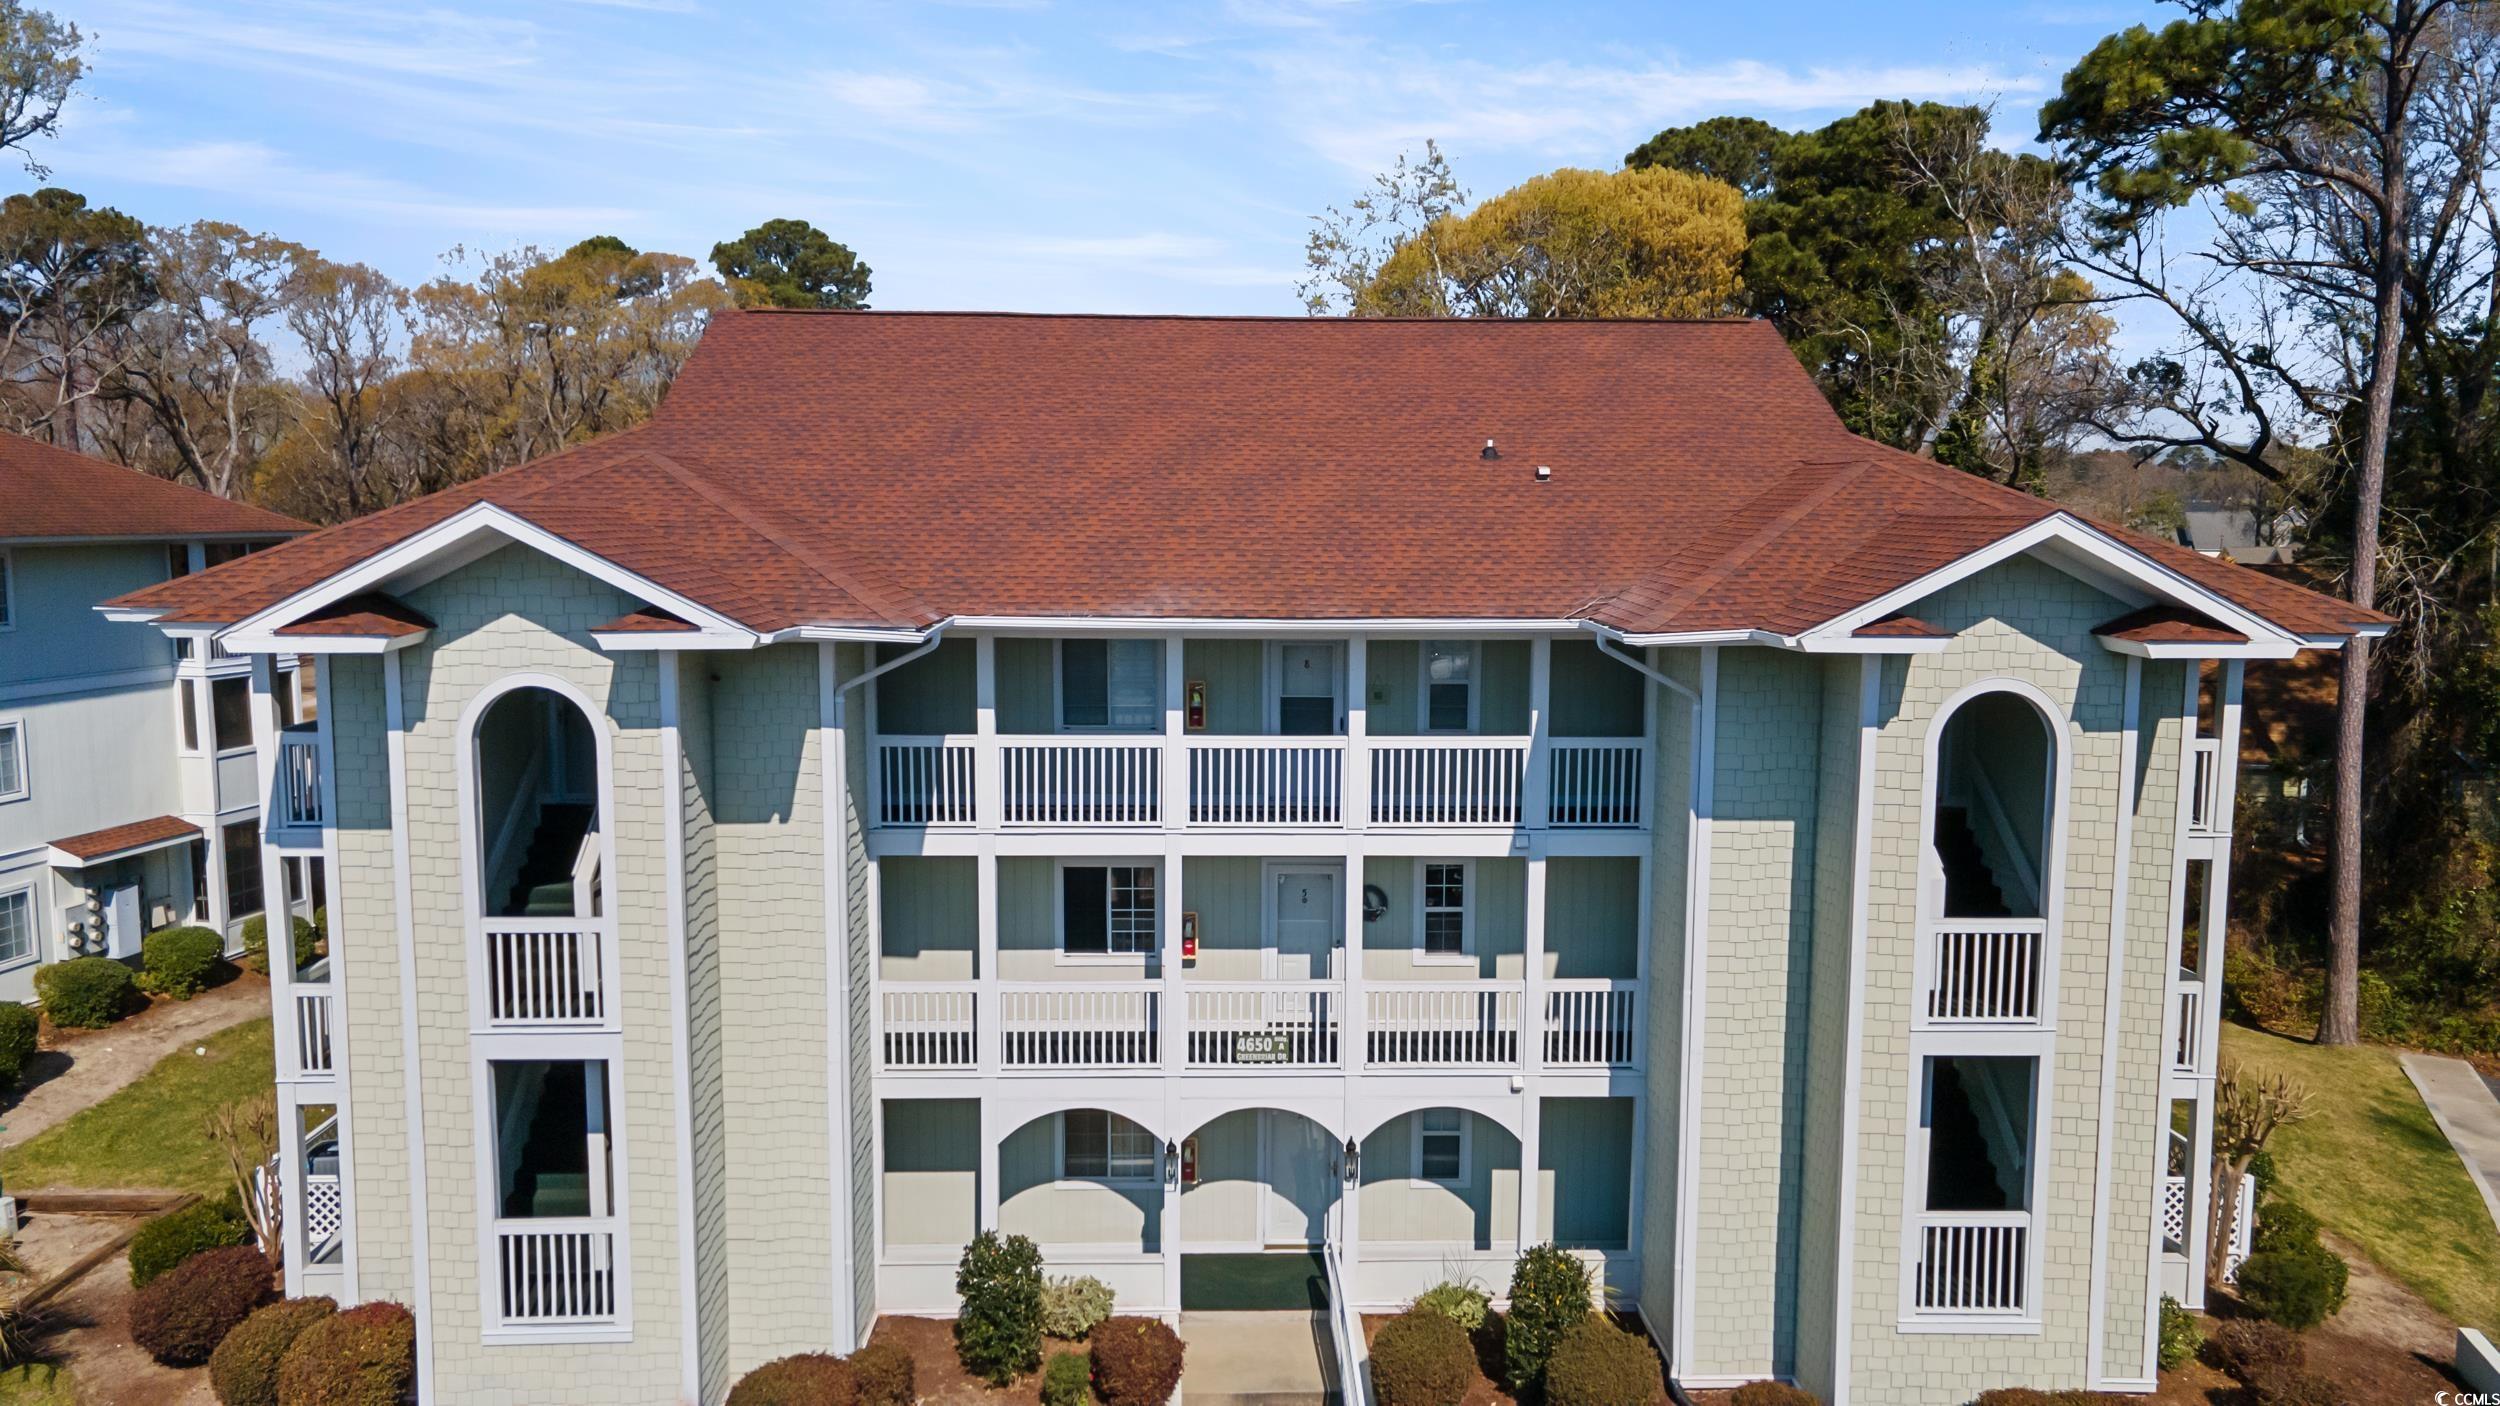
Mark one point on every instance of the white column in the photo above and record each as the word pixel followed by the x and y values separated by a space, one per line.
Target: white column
pixel 991 1132
pixel 1531 1122
pixel 1175 1025
pixel 1534 807
pixel 1351 1021
pixel 1532 1041
pixel 1175 738
pixel 988 1044
pixel 277 925
pixel 1358 762
pixel 1171 1226
pixel 988 803
pixel 2200 1193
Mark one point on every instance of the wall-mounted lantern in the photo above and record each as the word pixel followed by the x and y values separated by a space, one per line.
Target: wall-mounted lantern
pixel 1353 1163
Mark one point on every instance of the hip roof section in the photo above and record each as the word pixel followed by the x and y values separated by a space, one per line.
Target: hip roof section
pixel 50 494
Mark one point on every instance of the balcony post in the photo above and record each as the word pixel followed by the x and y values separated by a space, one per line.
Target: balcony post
pixel 988 1040
pixel 1174 1031
pixel 1531 1127
pixel 1536 809
pixel 1352 1022
pixel 1532 1041
pixel 1358 763
pixel 988 793
pixel 991 1132
pixel 2200 1192
pixel 1175 736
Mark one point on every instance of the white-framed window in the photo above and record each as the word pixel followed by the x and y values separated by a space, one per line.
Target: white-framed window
pixel 1109 686
pixel 552 1162
pixel 1106 910
pixel 17 926
pixel 1445 928
pixel 189 692
pixel 1441 1147
pixel 1449 686
pixel 230 712
pixel 16 782
pixel 8 592
pixel 553 1158
pixel 1099 1146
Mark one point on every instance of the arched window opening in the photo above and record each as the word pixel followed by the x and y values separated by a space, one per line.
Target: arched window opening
pixel 1992 808
pixel 538 808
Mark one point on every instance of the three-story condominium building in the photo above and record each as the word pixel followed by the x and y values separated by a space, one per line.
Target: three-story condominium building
pixel 129 791
pixel 1182 789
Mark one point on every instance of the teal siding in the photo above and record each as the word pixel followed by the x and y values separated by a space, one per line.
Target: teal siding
pixel 930 912
pixel 1592 918
pixel 1225 894
pixel 1584 1161
pixel 1593 696
pixel 932 1171
pixel 931 694
pixel 1500 922
pixel 1389 694
pixel 1234 671
pixel 1027 670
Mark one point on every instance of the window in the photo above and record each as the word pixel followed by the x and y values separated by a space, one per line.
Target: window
pixel 219 553
pixel 1105 1147
pixel 1444 911
pixel 190 712
pixel 1449 686
pixel 551 1139
pixel 13 779
pixel 177 559
pixel 1976 1120
pixel 17 926
pixel 243 896
pixel 1107 909
pixel 1441 1147
pixel 230 712
pixel 1109 684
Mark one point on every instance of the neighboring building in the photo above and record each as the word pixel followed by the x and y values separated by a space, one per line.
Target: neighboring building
pixel 1377 791
pixel 128 795
pixel 2223 530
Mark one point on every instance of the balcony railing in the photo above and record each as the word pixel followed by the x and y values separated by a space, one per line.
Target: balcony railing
pixel 299 778
pixel 1972 1262
pixel 924 781
pixel 2208 808
pixel 556 1272
pixel 312 1030
pixel 1985 971
pixel 1448 781
pixel 546 971
pixel 1266 781
pixel 1115 1026
pixel 1082 781
pixel 2187 1053
pixel 1598 783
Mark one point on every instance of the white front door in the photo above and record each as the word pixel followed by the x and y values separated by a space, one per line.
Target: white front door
pixel 1306 690
pixel 1307 913
pixel 1300 1177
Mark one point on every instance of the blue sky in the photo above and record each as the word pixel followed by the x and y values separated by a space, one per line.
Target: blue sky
pixel 1026 154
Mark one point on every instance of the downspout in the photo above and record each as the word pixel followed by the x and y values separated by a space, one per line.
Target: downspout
pixel 1606 645
pixel 838 898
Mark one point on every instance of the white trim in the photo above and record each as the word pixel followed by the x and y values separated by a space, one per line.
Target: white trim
pixel 420 1239
pixel 1474 650
pixel 15 726
pixel 603 1048
pixel 680 1020
pixel 60 858
pixel 342 1074
pixel 1385 627
pixel 1059 1150
pixel 834 776
pixel 34 923
pixel 1415 1134
pixel 1465 956
pixel 1853 1080
pixel 2112 999
pixel 1110 955
pixel 1696 1004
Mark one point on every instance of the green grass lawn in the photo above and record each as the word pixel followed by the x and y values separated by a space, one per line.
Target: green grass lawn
pixel 2374 1167
pixel 149 1134
pixel 38 1385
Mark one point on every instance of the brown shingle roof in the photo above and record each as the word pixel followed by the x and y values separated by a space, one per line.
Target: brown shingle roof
pixel 2163 624
pixel 51 494
pixel 896 469
pixel 1901 627
pixel 367 613
pixel 138 834
pixel 649 620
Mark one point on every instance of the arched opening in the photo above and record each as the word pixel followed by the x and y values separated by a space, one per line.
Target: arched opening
pixel 1994 808
pixel 538 821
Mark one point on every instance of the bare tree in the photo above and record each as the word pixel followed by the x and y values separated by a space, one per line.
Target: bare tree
pixel 347 320
pixel 246 1133
pixel 39 64
pixel 2248 1110
pixel 1347 248
pixel 195 360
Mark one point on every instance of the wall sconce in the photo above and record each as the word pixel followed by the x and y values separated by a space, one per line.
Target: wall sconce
pixel 1171 1163
pixel 1353 1163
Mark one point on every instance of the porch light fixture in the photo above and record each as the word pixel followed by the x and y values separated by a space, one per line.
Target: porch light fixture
pixel 1171 1163
pixel 1353 1163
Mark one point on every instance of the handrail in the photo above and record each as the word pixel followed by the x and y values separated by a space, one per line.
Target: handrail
pixel 1346 1326
pixel 586 874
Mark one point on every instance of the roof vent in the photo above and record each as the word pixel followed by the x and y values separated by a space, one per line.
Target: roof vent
pixel 1489 451
pixel 1544 473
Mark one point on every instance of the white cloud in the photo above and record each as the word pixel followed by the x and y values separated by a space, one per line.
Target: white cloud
pixel 273 177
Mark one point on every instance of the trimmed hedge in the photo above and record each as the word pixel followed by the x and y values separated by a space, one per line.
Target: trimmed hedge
pixel 18 1025
pixel 1421 1358
pixel 807 1379
pixel 1462 1304
pixel 1549 1296
pixel 2283 1224
pixel 244 1369
pixel 884 1374
pixel 2299 1288
pixel 1071 1307
pixel 1599 1364
pixel 366 1356
pixel 177 1235
pixel 1137 1361
pixel 1066 1381
pixel 256 942
pixel 179 961
pixel 181 1317
pixel 2244 1346
pixel 85 993
pixel 1772 1394
pixel 998 1332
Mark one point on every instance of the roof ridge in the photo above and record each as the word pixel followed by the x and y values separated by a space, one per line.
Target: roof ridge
pixel 881 596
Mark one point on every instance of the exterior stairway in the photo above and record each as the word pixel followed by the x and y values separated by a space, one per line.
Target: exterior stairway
pixel 1970 890
pixel 543 887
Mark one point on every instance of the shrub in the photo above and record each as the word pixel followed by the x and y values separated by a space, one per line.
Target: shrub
pixel 244 1368
pixel 183 1315
pixel 177 1235
pixel 1549 1295
pixel 1137 1361
pixel 86 993
pixel 1420 1358
pixel 2029 1396
pixel 2279 1385
pixel 179 961
pixel 1071 1307
pixel 998 1334
pixel 1064 1381
pixel 1772 1394
pixel 256 942
pixel 1599 1364
pixel 2180 1337
pixel 2284 1224
pixel 2298 1288
pixel 2243 1346
pixel 1460 1303
pixel 18 1025
pixel 2261 1170
pixel 366 1356
pixel 808 1379
pixel 884 1374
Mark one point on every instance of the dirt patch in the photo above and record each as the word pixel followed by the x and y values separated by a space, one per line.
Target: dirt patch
pixel 939 1376
pixel 73 1069
pixel 89 1335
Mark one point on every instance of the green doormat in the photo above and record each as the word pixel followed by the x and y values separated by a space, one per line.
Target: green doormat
pixel 1229 1283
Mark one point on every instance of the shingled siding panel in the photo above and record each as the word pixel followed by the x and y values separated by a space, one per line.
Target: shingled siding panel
pixel 860 985
pixel 516 612
pixel 1671 829
pixel 1759 946
pixel 364 930
pixel 2028 621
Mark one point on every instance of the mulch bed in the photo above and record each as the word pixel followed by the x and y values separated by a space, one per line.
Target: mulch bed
pixel 939 1376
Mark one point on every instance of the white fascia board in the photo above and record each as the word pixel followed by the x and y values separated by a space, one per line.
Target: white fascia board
pixel 1220 625
pixel 1689 638
pixel 449 536
pixel 271 642
pixel 660 641
pixel 856 634
pixel 2182 649
pixel 1874 644
pixel 2097 548
pixel 132 614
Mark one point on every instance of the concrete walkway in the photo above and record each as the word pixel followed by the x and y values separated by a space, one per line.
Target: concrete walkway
pixel 2467 1110
pixel 1244 1358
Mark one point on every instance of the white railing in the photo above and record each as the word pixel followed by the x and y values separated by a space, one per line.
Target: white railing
pixel 1595 783
pixel 927 1026
pixel 1972 1262
pixel 1082 781
pixel 923 781
pixel 1441 1023
pixel 2205 803
pixel 2187 1055
pixel 1345 1324
pixel 1985 971
pixel 2174 1221
pixel 1057 1025
pixel 299 778
pixel 1264 1025
pixel 1448 781
pixel 546 971
pixel 1266 781
pixel 555 1271
pixel 1591 1022
pixel 312 1031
